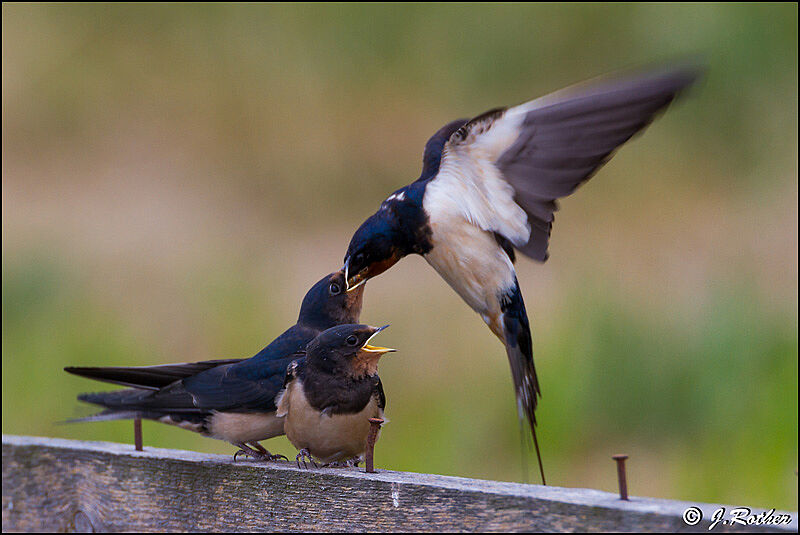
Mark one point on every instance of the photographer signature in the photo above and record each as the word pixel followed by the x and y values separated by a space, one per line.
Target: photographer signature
pixel 742 516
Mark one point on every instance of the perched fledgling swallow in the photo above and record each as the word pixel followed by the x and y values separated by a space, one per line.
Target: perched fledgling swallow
pixel 329 397
pixel 233 399
pixel 489 185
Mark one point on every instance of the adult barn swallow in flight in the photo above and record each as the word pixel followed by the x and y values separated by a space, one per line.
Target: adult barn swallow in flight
pixel 233 399
pixel 489 185
pixel 329 397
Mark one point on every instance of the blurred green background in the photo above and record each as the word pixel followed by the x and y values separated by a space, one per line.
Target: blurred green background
pixel 175 177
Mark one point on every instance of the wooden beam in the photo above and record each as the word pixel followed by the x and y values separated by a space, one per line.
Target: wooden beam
pixel 56 485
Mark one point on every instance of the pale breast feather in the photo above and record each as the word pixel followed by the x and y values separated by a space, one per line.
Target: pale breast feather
pixel 244 427
pixel 471 262
pixel 329 437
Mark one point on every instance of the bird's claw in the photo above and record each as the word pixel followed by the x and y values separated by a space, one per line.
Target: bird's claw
pixel 303 454
pixel 349 463
pixel 267 456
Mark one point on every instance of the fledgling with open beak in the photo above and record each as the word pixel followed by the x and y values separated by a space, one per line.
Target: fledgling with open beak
pixel 489 185
pixel 232 399
pixel 329 396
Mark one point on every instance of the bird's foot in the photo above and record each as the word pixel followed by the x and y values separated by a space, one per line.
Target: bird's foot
pixel 265 454
pixel 258 456
pixel 348 463
pixel 244 452
pixel 270 457
pixel 304 453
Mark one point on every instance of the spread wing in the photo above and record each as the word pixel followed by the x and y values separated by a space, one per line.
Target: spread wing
pixel 509 166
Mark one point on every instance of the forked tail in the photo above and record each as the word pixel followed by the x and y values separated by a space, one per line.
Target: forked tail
pixel 147 377
pixel 118 405
pixel 173 408
pixel 519 347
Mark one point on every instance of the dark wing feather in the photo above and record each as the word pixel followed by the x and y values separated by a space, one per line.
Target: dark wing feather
pixel 432 157
pixel 566 137
pixel 230 384
pixel 147 377
pixel 236 388
pixel 171 399
pixel 224 387
pixel 379 391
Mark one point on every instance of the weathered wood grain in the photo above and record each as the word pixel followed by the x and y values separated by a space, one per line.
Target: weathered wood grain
pixel 65 485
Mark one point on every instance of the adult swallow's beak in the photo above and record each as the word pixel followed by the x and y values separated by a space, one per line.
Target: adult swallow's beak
pixel 351 283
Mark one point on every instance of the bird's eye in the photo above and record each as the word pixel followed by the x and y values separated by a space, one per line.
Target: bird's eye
pixel 359 258
pixel 352 340
pixel 334 288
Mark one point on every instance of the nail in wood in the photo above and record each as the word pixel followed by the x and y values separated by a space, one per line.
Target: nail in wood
pixel 137 434
pixel 623 482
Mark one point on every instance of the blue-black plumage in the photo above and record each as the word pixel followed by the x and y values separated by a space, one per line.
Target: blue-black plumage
pixel 231 399
pixel 329 397
pixel 490 186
